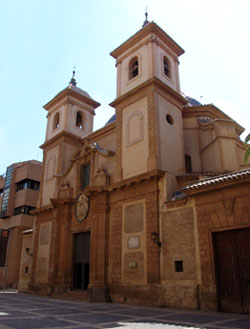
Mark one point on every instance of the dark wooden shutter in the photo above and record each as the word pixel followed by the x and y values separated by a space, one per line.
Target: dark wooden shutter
pixel 4 236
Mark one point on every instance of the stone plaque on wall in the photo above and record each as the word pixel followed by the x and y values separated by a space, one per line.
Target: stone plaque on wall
pixel 133 218
pixel 133 242
pixel 133 266
pixel 44 234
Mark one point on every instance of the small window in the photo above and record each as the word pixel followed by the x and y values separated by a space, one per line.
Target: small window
pixel 133 68
pixel 79 120
pixel 167 67
pixel 178 266
pixel 56 121
pixel 84 176
pixel 170 119
pixel 188 163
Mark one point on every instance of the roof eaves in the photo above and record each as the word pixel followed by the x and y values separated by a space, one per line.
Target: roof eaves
pixel 215 181
pixel 151 27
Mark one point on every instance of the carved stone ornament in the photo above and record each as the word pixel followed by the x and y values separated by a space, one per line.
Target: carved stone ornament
pixel 229 206
pixel 81 207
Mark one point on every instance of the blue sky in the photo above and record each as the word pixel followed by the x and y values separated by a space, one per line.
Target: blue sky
pixel 41 42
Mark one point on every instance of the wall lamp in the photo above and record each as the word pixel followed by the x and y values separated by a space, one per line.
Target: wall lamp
pixel 28 252
pixel 155 238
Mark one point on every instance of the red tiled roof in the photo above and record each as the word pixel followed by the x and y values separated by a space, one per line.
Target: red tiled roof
pixel 217 180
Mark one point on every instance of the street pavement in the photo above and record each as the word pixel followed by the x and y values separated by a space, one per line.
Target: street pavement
pixel 25 311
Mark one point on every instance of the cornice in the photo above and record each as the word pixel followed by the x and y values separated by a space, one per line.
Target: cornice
pixel 67 93
pixel 59 202
pixel 54 204
pixel 63 135
pixel 176 203
pixel 126 182
pixel 151 28
pixel 153 82
pixel 210 110
pixel 39 210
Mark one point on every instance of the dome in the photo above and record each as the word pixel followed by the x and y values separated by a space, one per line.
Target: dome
pixel 192 101
pixel 112 119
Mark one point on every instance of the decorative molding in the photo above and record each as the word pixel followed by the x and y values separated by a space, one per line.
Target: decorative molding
pixel 127 182
pixel 50 168
pixel 176 203
pixel 130 141
pixel 229 206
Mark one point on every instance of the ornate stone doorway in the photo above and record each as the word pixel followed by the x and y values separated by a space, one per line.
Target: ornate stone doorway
pixel 232 265
pixel 81 260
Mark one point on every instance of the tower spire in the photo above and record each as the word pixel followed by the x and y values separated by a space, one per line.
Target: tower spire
pixel 73 80
pixel 146 22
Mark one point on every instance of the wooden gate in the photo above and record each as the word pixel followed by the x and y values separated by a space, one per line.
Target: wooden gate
pixel 232 265
pixel 81 260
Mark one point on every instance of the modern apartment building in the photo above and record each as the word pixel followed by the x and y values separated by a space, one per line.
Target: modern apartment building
pixel 18 196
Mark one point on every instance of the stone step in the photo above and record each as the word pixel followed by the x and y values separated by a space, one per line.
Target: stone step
pixel 78 295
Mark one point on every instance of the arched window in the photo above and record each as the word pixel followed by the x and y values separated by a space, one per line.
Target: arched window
pixel 134 128
pixel 84 175
pixel 167 67
pixel 79 120
pixel 188 163
pixel 56 121
pixel 133 67
pixel 50 168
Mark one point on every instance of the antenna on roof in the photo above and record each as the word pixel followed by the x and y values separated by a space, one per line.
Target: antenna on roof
pixel 73 80
pixel 146 22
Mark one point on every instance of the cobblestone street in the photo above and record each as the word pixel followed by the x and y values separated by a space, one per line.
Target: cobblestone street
pixel 30 311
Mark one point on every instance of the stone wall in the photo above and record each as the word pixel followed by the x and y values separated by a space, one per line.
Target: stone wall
pixel 179 266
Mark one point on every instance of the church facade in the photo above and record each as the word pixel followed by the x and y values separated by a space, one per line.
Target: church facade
pixel 153 208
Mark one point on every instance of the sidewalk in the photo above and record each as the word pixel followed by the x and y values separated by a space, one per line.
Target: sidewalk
pixel 30 312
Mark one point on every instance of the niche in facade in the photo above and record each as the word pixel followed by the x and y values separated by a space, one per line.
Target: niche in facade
pixel 133 67
pixel 56 121
pixel 51 166
pixel 166 67
pixel 134 128
pixel 79 120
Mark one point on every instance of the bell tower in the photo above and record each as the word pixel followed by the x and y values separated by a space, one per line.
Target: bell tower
pixel 72 111
pixel 149 103
pixel 69 119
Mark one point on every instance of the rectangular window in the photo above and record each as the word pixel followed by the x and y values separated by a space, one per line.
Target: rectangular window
pixel 23 210
pixel 178 266
pixel 84 176
pixel 27 183
pixel 4 236
pixel 6 192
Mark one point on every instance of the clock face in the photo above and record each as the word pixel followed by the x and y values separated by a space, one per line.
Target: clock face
pixel 82 207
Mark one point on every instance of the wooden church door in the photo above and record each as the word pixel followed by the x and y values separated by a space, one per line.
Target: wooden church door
pixel 232 265
pixel 81 260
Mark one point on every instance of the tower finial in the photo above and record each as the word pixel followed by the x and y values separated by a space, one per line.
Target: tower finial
pixel 73 80
pixel 146 22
